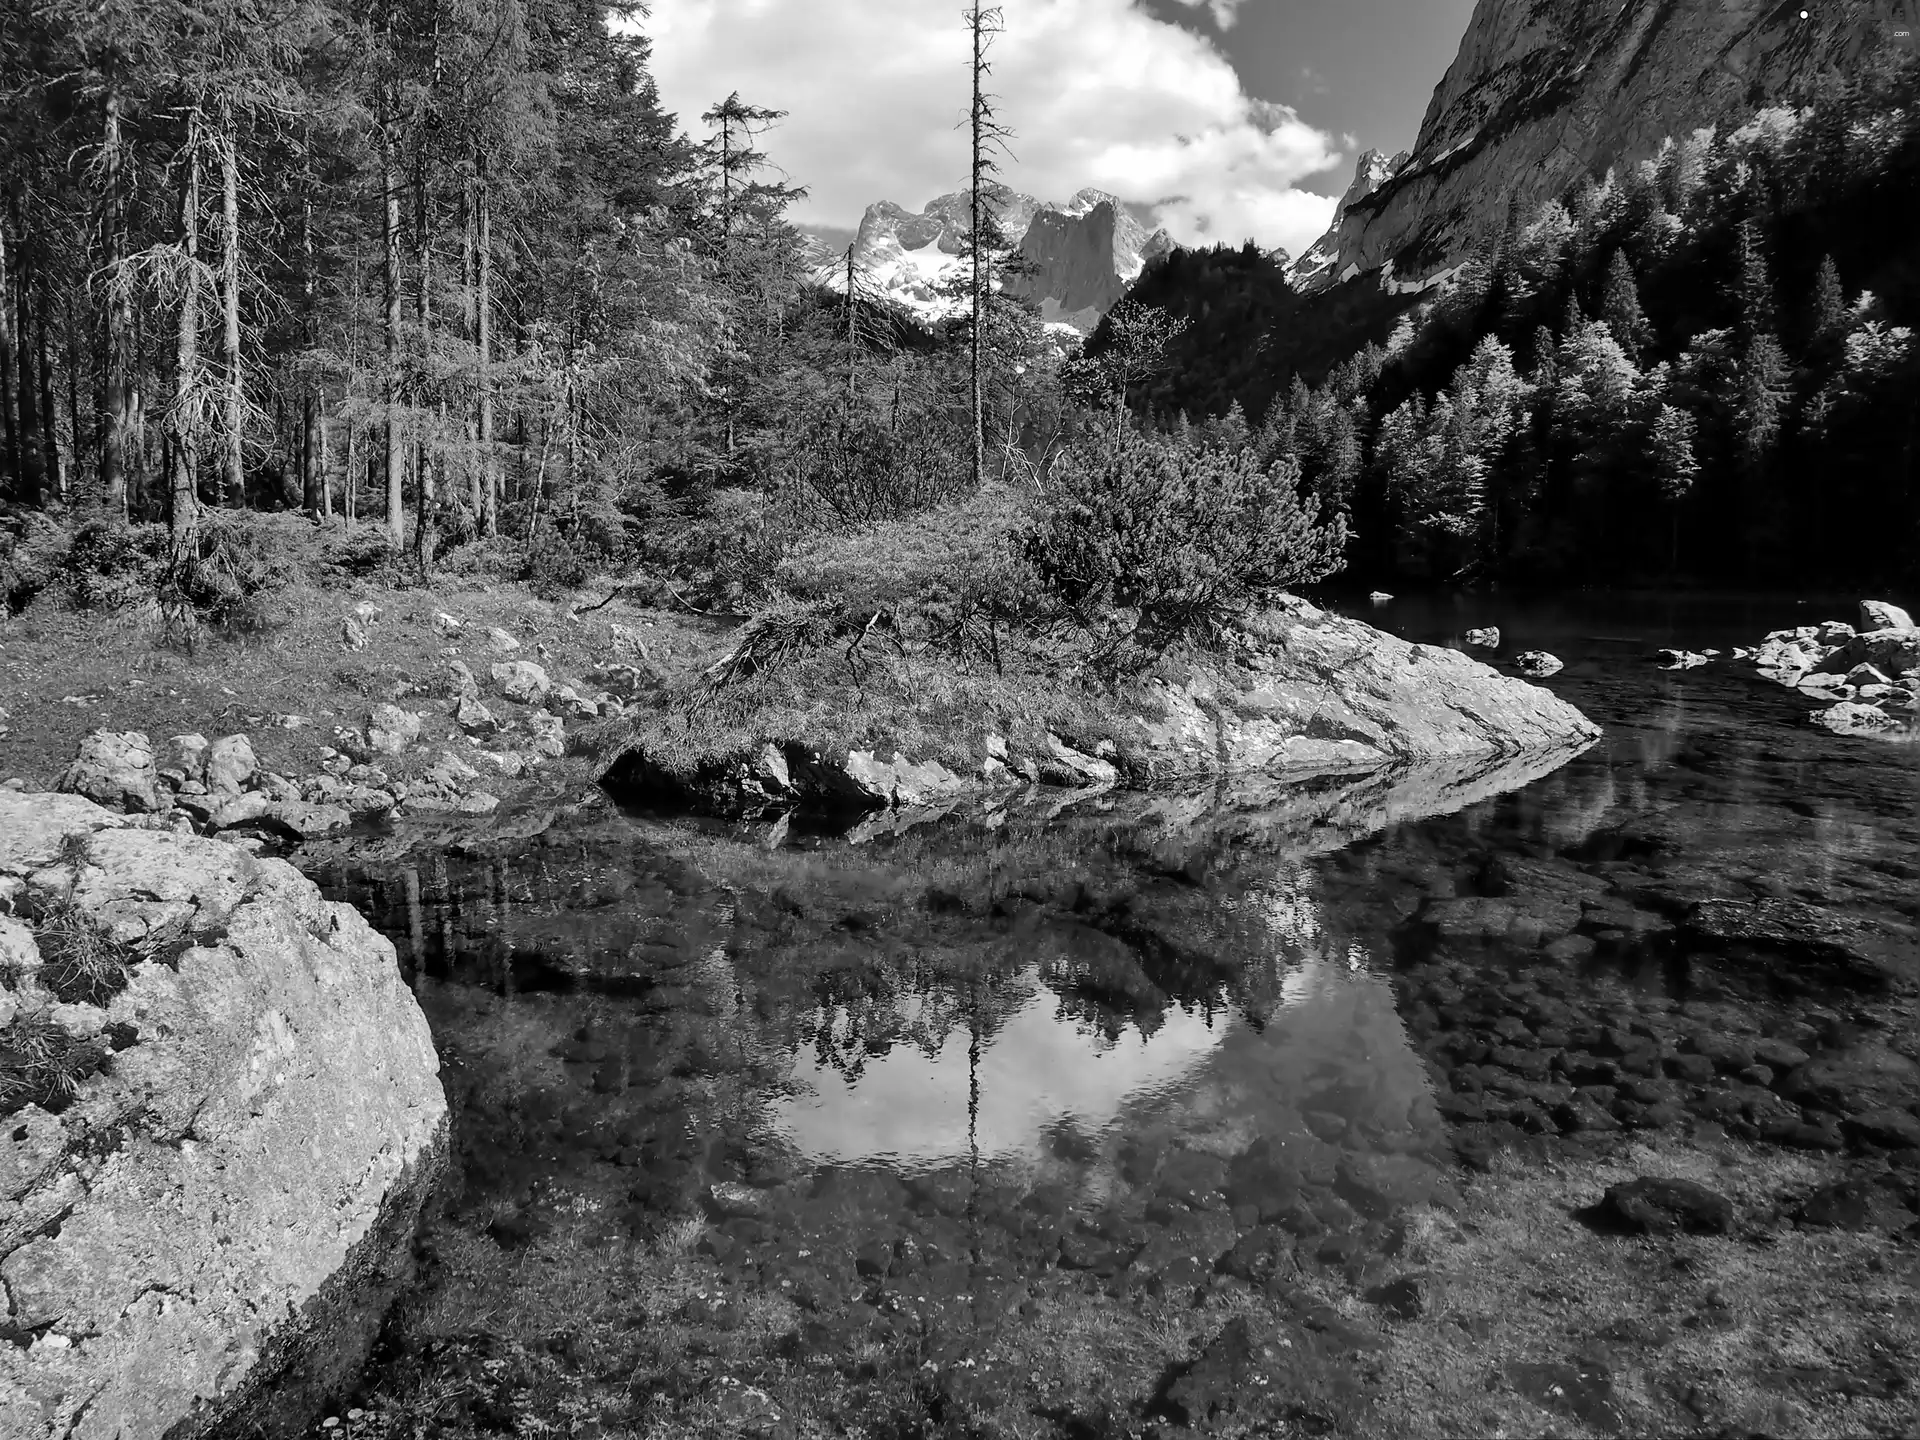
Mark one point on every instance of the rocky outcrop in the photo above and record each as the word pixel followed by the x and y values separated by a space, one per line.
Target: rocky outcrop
pixel 1543 92
pixel 1302 691
pixel 1082 255
pixel 1320 266
pixel 222 1121
pixel 1868 682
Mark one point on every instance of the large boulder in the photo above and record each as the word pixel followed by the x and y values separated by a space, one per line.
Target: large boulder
pixel 116 769
pixel 390 730
pixel 1879 615
pixel 231 765
pixel 522 681
pixel 201 1230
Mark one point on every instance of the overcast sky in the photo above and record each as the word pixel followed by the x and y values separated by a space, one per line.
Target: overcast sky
pixel 1231 119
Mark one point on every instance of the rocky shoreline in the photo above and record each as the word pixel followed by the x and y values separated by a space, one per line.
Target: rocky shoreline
pixel 1300 690
pixel 1866 677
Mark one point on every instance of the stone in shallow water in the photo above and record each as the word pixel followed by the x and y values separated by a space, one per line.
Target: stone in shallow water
pixel 1524 920
pixel 1852 718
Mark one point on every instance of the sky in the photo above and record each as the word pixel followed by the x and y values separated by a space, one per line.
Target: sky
pixel 1223 120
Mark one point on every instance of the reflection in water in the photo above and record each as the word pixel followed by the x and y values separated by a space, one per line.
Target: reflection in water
pixel 1178 1044
pixel 1041 1071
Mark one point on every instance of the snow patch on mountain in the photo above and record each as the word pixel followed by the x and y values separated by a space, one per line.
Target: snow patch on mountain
pixel 1079 256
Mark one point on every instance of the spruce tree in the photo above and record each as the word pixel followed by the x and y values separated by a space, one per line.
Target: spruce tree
pixel 1620 307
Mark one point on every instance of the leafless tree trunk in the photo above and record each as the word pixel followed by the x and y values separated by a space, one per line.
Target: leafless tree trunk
pixel 396 440
pixel 10 458
pixel 233 482
pixel 116 420
pixel 490 515
pixel 183 503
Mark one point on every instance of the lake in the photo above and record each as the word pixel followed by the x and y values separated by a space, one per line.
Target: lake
pixel 1003 1092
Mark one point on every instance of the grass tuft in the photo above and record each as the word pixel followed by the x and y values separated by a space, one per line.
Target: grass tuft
pixel 82 965
pixel 41 1064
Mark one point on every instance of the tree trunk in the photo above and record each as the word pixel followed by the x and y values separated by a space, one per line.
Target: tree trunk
pixel 10 458
pixel 312 481
pixel 49 415
pixel 978 119
pixel 350 480
pixel 423 316
pixel 233 483
pixel 76 421
pixel 320 464
pixel 33 454
pixel 183 501
pixel 116 408
pixel 390 250
pixel 490 512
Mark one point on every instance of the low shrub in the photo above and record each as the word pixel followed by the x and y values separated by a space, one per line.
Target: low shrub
pixel 33 553
pixel 1148 539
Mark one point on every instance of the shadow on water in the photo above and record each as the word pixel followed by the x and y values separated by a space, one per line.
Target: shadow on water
pixel 1152 1046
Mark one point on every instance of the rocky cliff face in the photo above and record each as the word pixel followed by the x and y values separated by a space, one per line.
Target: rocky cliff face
pixel 1083 254
pixel 214 1160
pixel 1545 91
pixel 1319 266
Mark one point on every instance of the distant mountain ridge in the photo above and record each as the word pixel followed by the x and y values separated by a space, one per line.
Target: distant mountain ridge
pixel 1081 255
pixel 1545 91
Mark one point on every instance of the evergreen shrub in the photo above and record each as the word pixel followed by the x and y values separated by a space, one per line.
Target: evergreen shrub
pixel 1183 535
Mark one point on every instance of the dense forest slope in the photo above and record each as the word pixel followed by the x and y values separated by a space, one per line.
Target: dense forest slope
pixel 1544 91
pixel 1701 364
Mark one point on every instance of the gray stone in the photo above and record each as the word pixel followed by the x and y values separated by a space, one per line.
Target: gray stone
pixel 1661 1207
pixel 464 683
pixel 1852 718
pixel 1834 632
pixel 390 730
pixel 187 754
pixel 231 765
pixel 1854 1081
pixel 549 734
pixel 273 1133
pixel 569 701
pixel 1538 664
pixel 1879 615
pixel 522 681
pixel 1681 660
pixel 500 642
pixel 473 717
pixel 1487 639
pixel 1063 765
pixel 114 768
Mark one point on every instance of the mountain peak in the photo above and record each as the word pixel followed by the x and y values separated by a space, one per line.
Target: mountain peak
pixel 1082 255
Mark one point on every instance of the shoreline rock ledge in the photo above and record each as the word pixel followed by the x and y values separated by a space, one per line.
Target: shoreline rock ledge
pixel 220 1115
pixel 1300 691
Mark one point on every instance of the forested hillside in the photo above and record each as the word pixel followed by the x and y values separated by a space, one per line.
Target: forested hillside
pixel 1704 366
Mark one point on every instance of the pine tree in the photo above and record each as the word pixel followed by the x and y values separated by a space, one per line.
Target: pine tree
pixel 1620 307
pixel 1826 316
pixel 1670 447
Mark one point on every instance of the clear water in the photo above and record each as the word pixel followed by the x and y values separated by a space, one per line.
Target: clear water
pixel 1161 1045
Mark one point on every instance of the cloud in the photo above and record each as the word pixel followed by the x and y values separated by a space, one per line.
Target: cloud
pixel 1098 93
pixel 1224 12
